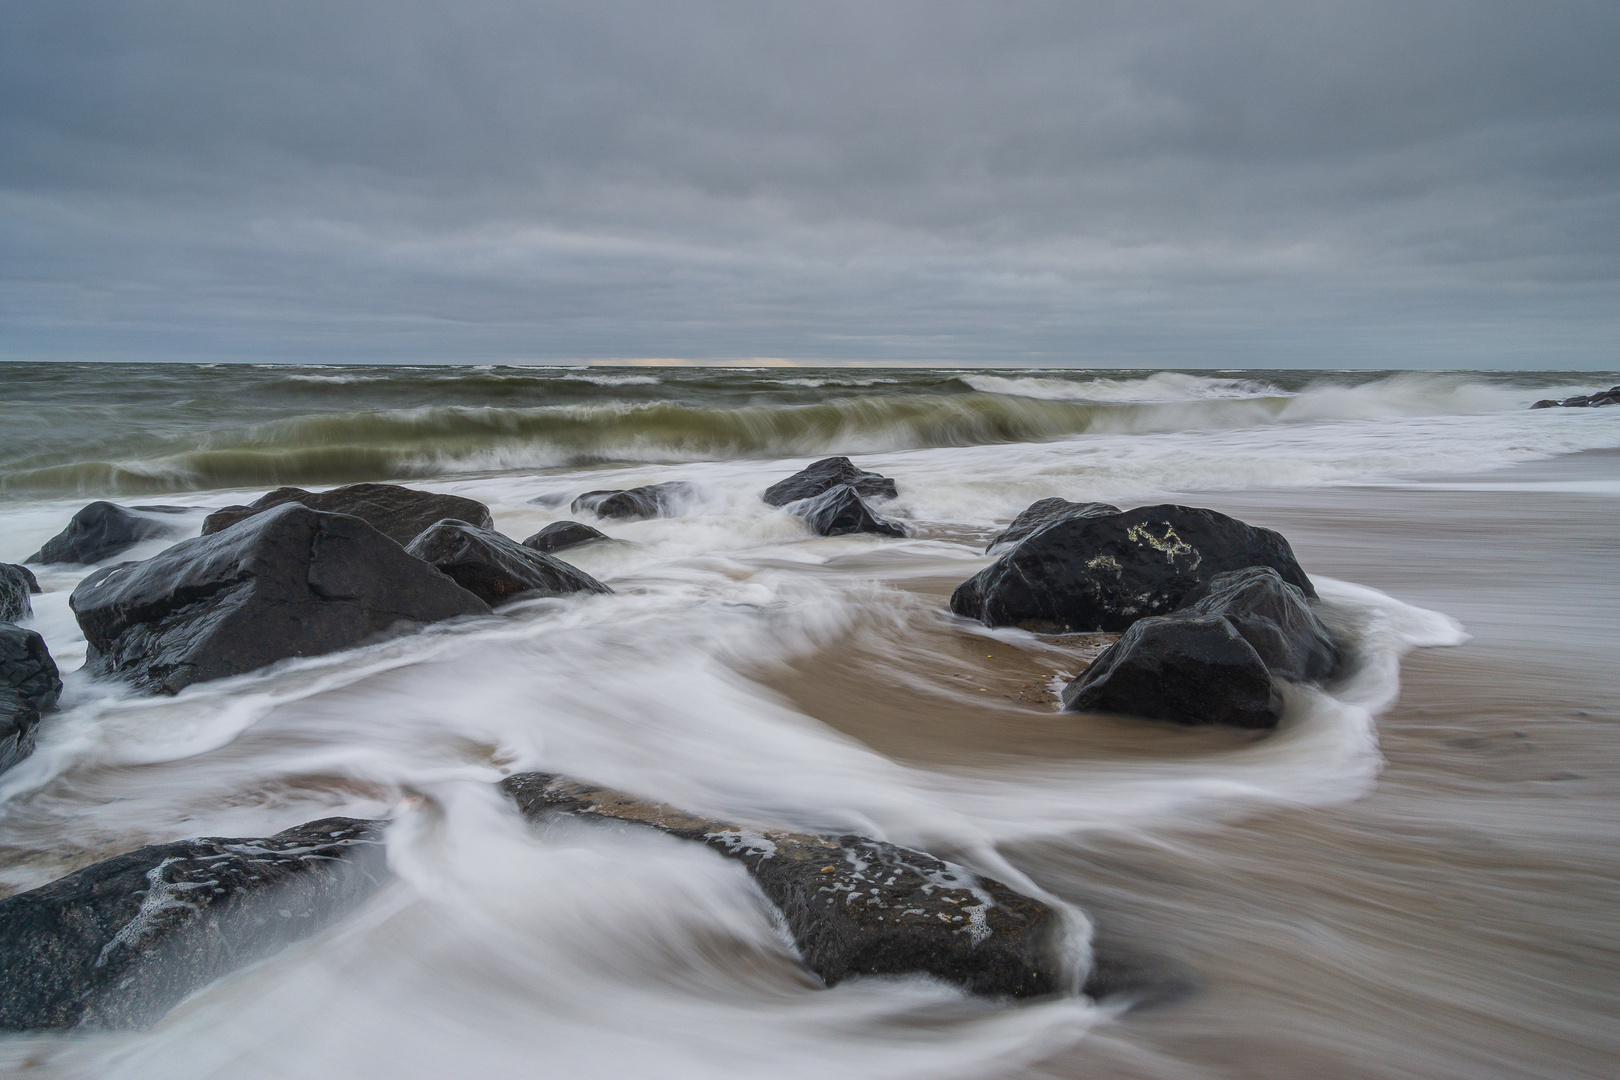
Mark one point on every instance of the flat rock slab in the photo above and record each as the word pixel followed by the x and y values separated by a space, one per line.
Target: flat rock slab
pixel 855 906
pixel 824 475
pixel 287 582
pixel 399 513
pixel 841 511
pixel 17 584
pixel 562 535
pixel 1041 513
pixel 1101 573
pixel 668 499
pixel 103 530
pixel 495 568
pixel 120 943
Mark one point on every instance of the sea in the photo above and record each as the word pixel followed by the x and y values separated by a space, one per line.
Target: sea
pixel 1416 875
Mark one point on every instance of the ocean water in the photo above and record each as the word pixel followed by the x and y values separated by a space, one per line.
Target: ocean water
pixel 747 669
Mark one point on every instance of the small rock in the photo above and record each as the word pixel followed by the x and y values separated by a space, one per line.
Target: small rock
pixel 1041 513
pixel 839 511
pixel 824 475
pixel 17 583
pixel 1274 617
pixel 562 535
pixel 399 513
pixel 103 529
pixel 654 500
pixel 497 569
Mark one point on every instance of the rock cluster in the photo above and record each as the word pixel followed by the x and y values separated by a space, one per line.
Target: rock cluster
pixel 1611 396
pixel 399 513
pixel 494 568
pixel 103 529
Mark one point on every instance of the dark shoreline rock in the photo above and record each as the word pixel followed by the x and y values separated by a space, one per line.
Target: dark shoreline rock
pixel 493 567
pixel 1104 572
pixel 17 584
pixel 287 582
pixel 1600 398
pixel 399 513
pixel 1041 513
pixel 29 687
pixel 104 529
pixel 1272 616
pixel 822 476
pixel 121 942
pixel 840 511
pixel 668 499
pixel 562 535
pixel 855 906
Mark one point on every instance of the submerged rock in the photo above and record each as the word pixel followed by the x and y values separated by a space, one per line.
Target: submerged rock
pixel 1274 617
pixel 654 500
pixel 17 583
pixel 562 535
pixel 119 943
pixel 287 582
pixel 1188 669
pixel 1104 572
pixel 1041 513
pixel 855 906
pixel 103 529
pixel 839 511
pixel 824 475
pixel 495 568
pixel 1611 396
pixel 399 513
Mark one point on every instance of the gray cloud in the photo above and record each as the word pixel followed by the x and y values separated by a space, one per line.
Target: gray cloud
pixel 1429 184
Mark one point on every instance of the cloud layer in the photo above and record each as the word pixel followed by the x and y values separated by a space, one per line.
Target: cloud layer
pixel 1262 183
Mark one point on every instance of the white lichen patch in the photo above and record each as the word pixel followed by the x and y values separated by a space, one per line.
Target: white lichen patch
pixel 1170 545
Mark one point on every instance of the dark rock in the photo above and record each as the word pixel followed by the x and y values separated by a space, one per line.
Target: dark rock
pixel 1102 573
pixel 1272 616
pixel 1041 513
pixel 1188 669
pixel 119 943
pixel 1611 396
pixel 855 906
pixel 103 529
pixel 495 568
pixel 562 535
pixel 655 500
pixel 26 666
pixel 18 719
pixel 399 513
pixel 839 511
pixel 17 583
pixel 823 476
pixel 287 582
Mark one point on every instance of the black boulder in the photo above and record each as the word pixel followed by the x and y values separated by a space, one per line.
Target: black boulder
pixel 840 511
pixel 103 529
pixel 119 943
pixel 562 535
pixel 29 686
pixel 17 583
pixel 824 475
pixel 1041 513
pixel 497 569
pixel 1102 573
pixel 1611 396
pixel 399 513
pixel 287 582
pixel 1274 617
pixel 654 500
pixel 1188 669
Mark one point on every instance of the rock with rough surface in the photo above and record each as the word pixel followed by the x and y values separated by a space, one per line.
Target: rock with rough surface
pixel 654 500
pixel 840 511
pixel 1272 616
pixel 824 475
pixel 1102 573
pixel 17 584
pixel 399 513
pixel 562 535
pixel 103 529
pixel 1041 513
pixel 287 582
pixel 1611 396
pixel 497 569
pixel 855 906
pixel 119 943
pixel 1188 669
pixel 27 667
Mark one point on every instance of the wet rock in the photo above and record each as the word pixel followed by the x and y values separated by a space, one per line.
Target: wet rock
pixel 18 721
pixel 824 475
pixel 855 906
pixel 1104 572
pixel 1272 616
pixel 1041 513
pixel 1611 396
pixel 17 583
pixel 103 529
pixel 495 568
pixel 1188 669
pixel 399 513
pixel 26 666
pixel 839 511
pixel 562 535
pixel 283 583
pixel 119 943
pixel 655 500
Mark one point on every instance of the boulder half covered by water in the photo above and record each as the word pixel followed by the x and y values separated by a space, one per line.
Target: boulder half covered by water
pixel 1041 513
pixel 1103 572
pixel 29 686
pixel 103 529
pixel 840 511
pixel 497 569
pixel 287 582
pixel 824 475
pixel 855 906
pixel 119 943
pixel 562 535
pixel 17 584
pixel 399 513
pixel 668 499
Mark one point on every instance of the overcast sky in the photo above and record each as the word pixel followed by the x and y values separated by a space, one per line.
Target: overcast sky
pixel 1275 183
